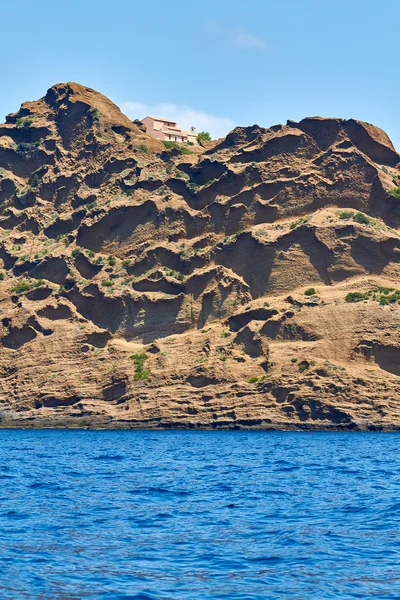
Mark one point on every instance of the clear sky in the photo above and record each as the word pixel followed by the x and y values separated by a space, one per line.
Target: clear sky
pixel 210 63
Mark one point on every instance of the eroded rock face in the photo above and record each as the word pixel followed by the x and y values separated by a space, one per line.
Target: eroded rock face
pixel 143 287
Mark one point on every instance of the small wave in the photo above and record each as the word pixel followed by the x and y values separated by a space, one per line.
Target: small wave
pixel 264 560
pixel 109 457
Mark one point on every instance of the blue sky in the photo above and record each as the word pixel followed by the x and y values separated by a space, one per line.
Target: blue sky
pixel 210 63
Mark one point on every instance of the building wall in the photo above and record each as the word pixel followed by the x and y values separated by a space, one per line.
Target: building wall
pixel 154 128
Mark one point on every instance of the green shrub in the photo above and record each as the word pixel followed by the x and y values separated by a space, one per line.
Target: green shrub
pixel 346 214
pixel 126 263
pixel 185 150
pixel 203 136
pixel 385 290
pixel 361 218
pixel 75 252
pixel 303 366
pixel 223 358
pixel 193 187
pixel 26 148
pixel 293 360
pixel 252 379
pixel 139 360
pixel 310 292
pixel 143 148
pixel 107 283
pixel 34 181
pixel 356 297
pixel 112 261
pixel 175 275
pixel 1 275
pixel 24 122
pixel 94 113
pixel 21 286
pixel 226 334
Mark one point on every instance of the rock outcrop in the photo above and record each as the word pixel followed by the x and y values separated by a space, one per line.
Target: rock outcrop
pixel 251 283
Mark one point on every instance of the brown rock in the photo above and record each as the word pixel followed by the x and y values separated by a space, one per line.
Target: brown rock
pixel 143 288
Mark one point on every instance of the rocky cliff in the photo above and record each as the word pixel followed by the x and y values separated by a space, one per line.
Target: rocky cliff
pixel 248 283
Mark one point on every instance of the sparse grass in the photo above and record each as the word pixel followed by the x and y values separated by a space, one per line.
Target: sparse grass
pixel 299 222
pixel 266 304
pixel 143 148
pixel 223 358
pixel 333 366
pixel 252 379
pixel 226 334
pixel 94 113
pixel 310 292
pixel 170 340
pixel 264 377
pixel 395 193
pixel 140 372
pixel 107 283
pixel 22 286
pixel 183 149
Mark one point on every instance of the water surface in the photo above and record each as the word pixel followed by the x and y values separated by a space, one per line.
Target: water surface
pixel 199 515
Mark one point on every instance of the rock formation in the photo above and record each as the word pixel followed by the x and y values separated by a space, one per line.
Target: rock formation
pixel 249 283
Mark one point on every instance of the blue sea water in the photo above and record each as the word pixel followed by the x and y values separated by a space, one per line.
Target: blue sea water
pixel 199 515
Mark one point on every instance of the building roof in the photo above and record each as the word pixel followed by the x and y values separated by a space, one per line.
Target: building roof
pixel 161 119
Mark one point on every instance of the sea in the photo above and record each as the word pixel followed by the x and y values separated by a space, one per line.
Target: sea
pixel 244 515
